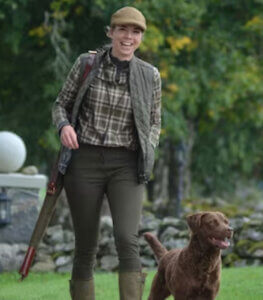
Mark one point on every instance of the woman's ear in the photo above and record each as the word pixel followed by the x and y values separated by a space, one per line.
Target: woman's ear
pixel 109 30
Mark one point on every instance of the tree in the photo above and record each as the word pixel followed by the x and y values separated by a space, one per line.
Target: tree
pixel 211 69
pixel 209 54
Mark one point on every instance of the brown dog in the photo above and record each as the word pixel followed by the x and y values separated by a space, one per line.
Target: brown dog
pixel 192 273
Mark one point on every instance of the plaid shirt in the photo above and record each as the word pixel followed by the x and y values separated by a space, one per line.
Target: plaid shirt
pixel 106 115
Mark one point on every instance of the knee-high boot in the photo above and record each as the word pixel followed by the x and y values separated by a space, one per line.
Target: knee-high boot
pixel 82 289
pixel 131 285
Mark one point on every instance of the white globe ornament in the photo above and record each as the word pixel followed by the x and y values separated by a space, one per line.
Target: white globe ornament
pixel 12 152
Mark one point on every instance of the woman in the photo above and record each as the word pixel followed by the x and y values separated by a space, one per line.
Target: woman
pixel 109 124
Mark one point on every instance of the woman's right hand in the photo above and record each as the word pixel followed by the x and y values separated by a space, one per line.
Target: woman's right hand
pixel 68 137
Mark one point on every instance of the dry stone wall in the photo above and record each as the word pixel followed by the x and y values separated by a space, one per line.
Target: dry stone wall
pixel 56 251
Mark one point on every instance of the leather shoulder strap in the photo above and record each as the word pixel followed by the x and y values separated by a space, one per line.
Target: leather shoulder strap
pixel 89 63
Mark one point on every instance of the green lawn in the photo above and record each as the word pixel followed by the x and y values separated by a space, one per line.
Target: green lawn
pixel 236 284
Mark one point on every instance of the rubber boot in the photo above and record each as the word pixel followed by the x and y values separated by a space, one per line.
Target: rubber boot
pixel 131 285
pixel 82 289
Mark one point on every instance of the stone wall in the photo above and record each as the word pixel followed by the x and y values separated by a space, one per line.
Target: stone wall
pixel 23 190
pixel 56 250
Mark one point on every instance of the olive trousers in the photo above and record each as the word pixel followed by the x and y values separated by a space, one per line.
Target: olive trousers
pixel 93 172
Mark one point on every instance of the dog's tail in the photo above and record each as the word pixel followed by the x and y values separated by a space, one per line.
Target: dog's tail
pixel 158 249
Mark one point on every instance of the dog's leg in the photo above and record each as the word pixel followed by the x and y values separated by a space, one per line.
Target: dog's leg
pixel 159 290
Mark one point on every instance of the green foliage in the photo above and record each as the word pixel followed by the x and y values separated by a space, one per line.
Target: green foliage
pixel 210 58
pixel 28 85
pixel 256 246
pixel 209 54
pixel 230 208
pixel 230 259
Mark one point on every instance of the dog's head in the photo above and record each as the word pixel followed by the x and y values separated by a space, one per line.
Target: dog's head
pixel 213 227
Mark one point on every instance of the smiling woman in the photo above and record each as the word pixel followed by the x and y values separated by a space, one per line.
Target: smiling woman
pixel 126 30
pixel 109 124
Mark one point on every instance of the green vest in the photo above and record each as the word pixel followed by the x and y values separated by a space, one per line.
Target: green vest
pixel 141 90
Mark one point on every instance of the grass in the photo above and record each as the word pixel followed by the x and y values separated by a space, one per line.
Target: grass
pixel 237 284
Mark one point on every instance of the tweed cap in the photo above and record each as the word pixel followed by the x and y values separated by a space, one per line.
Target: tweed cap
pixel 128 15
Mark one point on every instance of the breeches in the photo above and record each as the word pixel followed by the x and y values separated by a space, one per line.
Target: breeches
pixel 93 172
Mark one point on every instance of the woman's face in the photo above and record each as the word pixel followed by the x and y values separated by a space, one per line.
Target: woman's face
pixel 125 40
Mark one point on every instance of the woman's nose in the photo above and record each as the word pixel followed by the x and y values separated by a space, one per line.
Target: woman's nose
pixel 128 34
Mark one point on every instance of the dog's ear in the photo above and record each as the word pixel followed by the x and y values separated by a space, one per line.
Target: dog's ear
pixel 195 221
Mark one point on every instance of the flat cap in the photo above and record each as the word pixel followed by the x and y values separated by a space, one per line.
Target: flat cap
pixel 128 15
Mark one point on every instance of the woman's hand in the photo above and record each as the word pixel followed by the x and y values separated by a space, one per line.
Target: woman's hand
pixel 68 137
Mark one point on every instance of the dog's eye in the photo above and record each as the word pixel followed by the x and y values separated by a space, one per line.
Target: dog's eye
pixel 213 223
pixel 226 222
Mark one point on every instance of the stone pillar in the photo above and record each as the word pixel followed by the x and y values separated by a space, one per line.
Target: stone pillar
pixel 23 190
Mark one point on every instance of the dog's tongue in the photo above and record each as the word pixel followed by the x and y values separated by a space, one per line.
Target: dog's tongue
pixel 221 243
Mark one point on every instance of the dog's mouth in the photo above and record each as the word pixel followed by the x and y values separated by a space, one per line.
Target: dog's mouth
pixel 220 243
